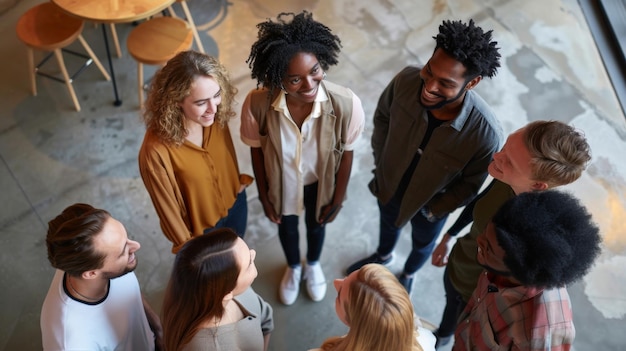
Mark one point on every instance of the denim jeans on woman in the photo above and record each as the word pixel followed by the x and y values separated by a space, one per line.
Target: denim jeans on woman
pixel 290 237
pixel 237 216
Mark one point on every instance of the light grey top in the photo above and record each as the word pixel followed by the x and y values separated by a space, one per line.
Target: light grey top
pixel 245 335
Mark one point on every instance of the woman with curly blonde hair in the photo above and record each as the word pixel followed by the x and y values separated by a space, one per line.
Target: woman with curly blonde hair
pixel 187 161
pixel 377 309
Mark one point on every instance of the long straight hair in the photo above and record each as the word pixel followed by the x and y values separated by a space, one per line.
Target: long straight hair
pixel 205 271
pixel 379 313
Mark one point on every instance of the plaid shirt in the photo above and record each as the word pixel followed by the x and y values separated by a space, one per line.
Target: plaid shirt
pixel 515 318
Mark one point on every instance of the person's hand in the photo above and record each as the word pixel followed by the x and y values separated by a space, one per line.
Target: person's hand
pixel 328 213
pixel 268 208
pixel 425 211
pixel 244 180
pixel 440 254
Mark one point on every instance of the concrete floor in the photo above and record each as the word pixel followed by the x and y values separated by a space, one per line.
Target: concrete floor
pixel 52 156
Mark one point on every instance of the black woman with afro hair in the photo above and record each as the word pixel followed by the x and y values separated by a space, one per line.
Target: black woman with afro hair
pixel 433 140
pixel 301 130
pixel 548 238
pixel 279 41
pixel 536 244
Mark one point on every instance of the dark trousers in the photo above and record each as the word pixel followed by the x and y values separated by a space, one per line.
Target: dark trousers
pixel 290 236
pixel 454 306
pixel 424 234
pixel 237 216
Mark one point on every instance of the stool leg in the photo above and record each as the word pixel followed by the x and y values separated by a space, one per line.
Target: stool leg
pixel 140 83
pixel 31 70
pixel 116 41
pixel 68 83
pixel 172 12
pixel 193 26
pixel 93 57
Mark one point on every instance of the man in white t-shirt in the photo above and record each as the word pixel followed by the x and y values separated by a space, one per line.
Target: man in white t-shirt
pixel 94 301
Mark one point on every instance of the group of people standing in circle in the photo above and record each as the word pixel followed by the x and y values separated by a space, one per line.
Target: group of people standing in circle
pixel 301 129
pixel 434 142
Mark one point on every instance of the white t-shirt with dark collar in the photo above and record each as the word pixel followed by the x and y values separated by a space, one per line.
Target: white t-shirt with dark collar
pixel 117 322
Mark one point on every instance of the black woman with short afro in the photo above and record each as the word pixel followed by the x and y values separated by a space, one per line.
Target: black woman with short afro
pixel 471 46
pixel 549 238
pixel 278 41
pixel 301 130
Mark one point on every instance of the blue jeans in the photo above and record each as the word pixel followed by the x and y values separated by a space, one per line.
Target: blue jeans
pixel 315 232
pixel 237 216
pixel 454 306
pixel 424 234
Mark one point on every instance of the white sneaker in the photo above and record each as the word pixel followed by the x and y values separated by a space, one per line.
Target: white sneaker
pixel 290 285
pixel 315 281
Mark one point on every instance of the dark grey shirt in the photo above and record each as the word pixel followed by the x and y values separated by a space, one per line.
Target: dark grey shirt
pixel 451 168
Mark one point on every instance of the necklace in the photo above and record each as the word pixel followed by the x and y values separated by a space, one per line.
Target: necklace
pixel 79 294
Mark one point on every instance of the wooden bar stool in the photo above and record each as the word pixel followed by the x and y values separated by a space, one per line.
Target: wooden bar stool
pixel 155 41
pixel 187 12
pixel 192 24
pixel 46 27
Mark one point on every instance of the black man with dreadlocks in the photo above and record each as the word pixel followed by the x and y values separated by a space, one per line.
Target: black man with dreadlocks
pixel 301 130
pixel 433 140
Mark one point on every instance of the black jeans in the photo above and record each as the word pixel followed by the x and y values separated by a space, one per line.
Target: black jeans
pixel 290 236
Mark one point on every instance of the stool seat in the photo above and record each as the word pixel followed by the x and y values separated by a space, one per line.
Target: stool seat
pixel 46 27
pixel 156 41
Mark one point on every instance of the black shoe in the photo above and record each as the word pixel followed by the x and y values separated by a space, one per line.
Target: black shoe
pixel 407 282
pixel 375 258
pixel 441 340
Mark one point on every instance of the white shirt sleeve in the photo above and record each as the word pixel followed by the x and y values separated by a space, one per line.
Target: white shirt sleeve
pixel 355 128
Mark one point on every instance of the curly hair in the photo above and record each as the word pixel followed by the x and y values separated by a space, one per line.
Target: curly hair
pixel 70 239
pixel 471 46
pixel 279 41
pixel 548 237
pixel 205 270
pixel 559 153
pixel 380 314
pixel 173 83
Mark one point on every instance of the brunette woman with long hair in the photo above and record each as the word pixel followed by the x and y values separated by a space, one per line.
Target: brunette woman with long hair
pixel 209 304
